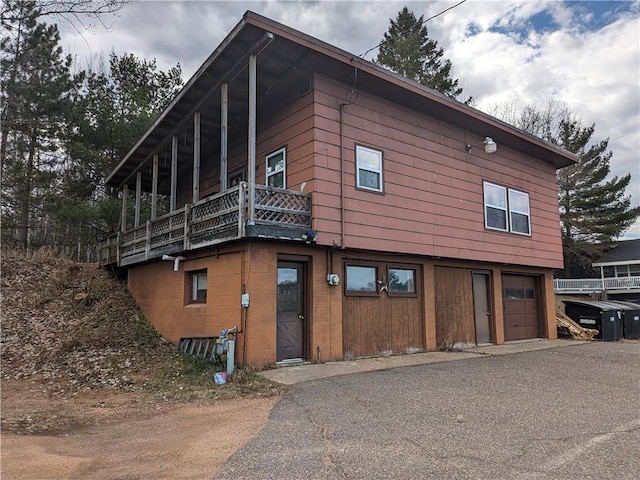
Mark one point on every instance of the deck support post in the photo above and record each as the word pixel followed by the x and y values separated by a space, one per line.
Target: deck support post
pixel 154 188
pixel 123 214
pixel 224 121
pixel 252 140
pixel 196 157
pixel 174 172
pixel 136 220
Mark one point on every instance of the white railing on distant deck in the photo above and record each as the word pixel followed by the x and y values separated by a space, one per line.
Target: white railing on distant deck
pixel 589 285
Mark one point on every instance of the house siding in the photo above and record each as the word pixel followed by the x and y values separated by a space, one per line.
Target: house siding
pixel 433 198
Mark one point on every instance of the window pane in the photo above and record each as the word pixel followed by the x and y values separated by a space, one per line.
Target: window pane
pixel 361 279
pixel 287 289
pixel 520 223
pixel 634 270
pixel 495 195
pixel 402 280
pixel 199 289
pixel 496 218
pixel 369 179
pixel 514 293
pixel 275 162
pixel 518 202
pixel 368 158
pixel 277 180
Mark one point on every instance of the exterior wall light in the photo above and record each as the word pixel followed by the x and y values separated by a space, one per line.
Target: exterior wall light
pixel 489 145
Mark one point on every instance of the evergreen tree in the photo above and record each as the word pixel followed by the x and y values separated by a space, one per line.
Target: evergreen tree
pixel 37 88
pixel 407 49
pixel 594 209
pixel 118 104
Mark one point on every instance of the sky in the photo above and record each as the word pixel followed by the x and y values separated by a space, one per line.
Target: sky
pixel 582 54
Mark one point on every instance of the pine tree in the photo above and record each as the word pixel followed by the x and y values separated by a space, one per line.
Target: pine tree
pixel 36 90
pixel 407 49
pixel 594 209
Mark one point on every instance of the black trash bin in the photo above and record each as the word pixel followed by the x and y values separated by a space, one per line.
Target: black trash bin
pixel 630 318
pixel 603 316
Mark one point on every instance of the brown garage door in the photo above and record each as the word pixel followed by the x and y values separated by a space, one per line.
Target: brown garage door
pixel 382 309
pixel 521 313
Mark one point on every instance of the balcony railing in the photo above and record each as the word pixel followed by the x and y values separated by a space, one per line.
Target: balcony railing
pixel 215 219
pixel 596 285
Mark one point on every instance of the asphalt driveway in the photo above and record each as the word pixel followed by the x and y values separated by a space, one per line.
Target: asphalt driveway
pixel 571 412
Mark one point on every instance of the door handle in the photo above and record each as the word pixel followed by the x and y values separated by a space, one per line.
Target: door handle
pixel 300 317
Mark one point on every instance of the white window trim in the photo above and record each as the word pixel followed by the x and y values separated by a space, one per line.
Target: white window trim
pixel 269 174
pixel 194 286
pixel 508 210
pixel 497 207
pixel 360 148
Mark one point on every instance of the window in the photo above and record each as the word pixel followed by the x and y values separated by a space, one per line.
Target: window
pixel 369 168
pixel 361 280
pixel 496 207
pixel 401 282
pixel 197 284
pixel 276 169
pixel 235 177
pixel 519 212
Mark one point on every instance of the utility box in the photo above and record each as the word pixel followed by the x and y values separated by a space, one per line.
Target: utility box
pixel 630 318
pixel 606 317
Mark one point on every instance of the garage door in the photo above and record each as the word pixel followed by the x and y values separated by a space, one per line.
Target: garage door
pixel 521 310
pixel 382 309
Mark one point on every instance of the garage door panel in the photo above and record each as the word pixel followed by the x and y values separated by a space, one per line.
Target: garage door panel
pixel 520 306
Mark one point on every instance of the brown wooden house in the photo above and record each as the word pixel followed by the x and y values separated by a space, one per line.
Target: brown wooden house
pixel 356 210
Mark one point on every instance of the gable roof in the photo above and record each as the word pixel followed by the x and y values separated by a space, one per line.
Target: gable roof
pixel 285 54
pixel 626 252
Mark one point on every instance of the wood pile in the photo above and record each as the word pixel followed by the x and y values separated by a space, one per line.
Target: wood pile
pixel 566 324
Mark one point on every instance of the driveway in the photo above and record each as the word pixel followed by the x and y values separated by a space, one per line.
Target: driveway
pixel 571 412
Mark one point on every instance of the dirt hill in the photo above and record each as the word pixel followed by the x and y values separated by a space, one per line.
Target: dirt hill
pixel 72 336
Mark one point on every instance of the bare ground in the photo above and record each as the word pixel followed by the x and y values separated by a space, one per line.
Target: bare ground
pixel 91 391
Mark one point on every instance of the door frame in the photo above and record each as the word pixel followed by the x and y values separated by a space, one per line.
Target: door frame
pixel 305 263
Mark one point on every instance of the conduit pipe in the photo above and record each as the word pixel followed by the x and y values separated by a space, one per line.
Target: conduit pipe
pixel 176 261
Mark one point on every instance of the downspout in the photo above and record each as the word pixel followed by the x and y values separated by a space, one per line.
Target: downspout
pixel 342 219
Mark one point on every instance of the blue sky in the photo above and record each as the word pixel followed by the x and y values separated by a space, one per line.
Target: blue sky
pixel 585 54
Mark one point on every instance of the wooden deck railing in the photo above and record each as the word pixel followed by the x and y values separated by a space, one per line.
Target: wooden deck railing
pixel 213 220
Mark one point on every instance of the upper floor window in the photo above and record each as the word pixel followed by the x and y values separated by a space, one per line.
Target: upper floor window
pixel 506 209
pixel 277 169
pixel 368 168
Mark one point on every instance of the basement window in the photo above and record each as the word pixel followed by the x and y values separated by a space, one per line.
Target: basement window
pixel 361 280
pixel 197 286
pixel 402 282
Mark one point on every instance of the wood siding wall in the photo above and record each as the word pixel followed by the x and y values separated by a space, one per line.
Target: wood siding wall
pixel 433 194
pixel 455 320
pixel 291 128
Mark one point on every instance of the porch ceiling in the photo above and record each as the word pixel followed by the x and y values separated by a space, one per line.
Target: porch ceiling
pixel 289 58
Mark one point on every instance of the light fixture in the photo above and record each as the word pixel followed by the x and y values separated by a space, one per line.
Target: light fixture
pixel 489 145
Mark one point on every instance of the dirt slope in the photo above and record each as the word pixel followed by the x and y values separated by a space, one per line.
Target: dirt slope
pixel 79 361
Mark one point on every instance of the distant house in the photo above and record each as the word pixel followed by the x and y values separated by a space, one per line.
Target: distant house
pixel 349 210
pixel 616 275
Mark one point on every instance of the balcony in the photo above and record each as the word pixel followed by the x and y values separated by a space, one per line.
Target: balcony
pixel 279 213
pixel 596 285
